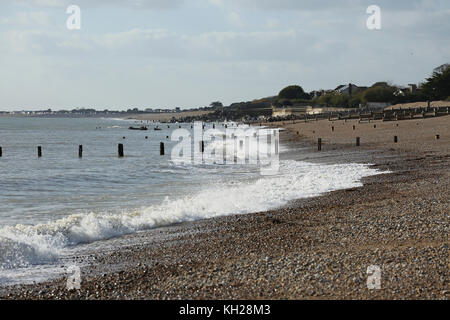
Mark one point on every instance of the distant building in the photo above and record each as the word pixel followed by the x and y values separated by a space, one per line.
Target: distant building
pixel 349 89
pixel 442 68
pixel 401 92
pixel 412 88
pixel 317 93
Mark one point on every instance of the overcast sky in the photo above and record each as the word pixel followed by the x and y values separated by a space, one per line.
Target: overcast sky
pixel 188 53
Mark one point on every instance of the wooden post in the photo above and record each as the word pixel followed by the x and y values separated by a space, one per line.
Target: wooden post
pixel 80 151
pixel 374 126
pixel 437 138
pixel 395 139
pixel 358 141
pixel 1 152
pixel 120 150
pixel 161 148
pixel 235 148
pixel 39 148
pixel 319 144
pixel 354 127
pixel 224 139
pixel 332 129
pixel 202 146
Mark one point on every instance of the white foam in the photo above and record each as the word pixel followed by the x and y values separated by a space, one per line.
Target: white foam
pixel 22 245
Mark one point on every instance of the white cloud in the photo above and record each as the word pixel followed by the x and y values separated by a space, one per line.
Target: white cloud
pixel 151 4
pixel 272 23
pixel 36 19
pixel 210 49
pixel 235 19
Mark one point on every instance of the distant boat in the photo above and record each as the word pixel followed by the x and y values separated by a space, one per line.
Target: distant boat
pixel 157 129
pixel 138 128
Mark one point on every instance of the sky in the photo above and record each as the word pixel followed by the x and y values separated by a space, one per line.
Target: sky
pixel 188 53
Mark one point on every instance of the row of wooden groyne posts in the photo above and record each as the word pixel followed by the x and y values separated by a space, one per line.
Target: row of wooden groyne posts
pixel 358 141
pixel 396 114
pixel 120 150
pixel 385 115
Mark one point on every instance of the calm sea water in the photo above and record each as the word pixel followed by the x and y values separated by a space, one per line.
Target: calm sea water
pixel 51 205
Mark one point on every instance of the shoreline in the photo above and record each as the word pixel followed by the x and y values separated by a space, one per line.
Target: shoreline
pixel 316 248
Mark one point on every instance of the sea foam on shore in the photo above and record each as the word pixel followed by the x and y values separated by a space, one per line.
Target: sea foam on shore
pixel 25 245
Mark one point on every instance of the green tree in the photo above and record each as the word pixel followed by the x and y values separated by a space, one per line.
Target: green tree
pixel 379 94
pixel 293 92
pixel 438 86
pixel 216 104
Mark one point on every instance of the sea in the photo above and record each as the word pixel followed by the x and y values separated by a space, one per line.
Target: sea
pixel 53 204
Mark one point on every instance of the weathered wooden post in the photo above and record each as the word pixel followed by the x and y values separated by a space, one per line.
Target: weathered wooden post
pixel 39 148
pixel 224 141
pixel 358 141
pixel 1 152
pixel 319 144
pixel 395 139
pixel 202 146
pixel 161 148
pixel 235 148
pixel 354 127
pixel 332 129
pixel 120 150
pixel 80 151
